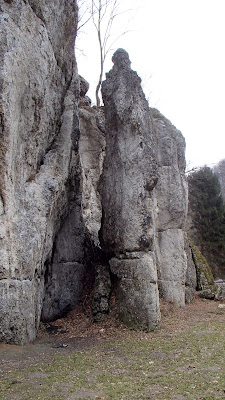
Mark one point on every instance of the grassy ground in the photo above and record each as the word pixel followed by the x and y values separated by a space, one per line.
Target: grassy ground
pixel 185 359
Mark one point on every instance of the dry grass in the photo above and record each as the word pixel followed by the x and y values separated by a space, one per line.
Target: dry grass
pixel 183 360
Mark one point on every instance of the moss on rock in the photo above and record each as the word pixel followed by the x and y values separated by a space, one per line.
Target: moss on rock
pixel 204 274
pixel 205 280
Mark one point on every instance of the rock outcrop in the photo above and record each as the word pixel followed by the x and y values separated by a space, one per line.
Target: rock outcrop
pixel 191 277
pixel 205 282
pixel 144 199
pixel 40 179
pixel 172 194
pixel 92 153
pixel 94 189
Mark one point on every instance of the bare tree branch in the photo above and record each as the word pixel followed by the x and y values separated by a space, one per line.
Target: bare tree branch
pixel 104 14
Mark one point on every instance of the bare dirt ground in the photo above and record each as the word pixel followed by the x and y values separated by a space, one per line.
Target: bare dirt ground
pixel 77 332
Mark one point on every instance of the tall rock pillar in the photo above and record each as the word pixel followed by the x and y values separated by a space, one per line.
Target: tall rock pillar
pixel 129 177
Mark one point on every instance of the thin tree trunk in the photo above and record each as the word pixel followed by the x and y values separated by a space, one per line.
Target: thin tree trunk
pixel 98 102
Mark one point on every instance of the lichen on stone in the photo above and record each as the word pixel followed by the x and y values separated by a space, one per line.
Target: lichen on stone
pixel 205 280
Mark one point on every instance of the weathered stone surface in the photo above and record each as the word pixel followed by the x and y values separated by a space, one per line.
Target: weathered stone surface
pixel 85 102
pixel 171 189
pixel 92 152
pixel 130 167
pixel 65 271
pixel 38 144
pixel 20 308
pixel 172 265
pixel 206 286
pixel 137 290
pixel 220 292
pixel 102 290
pixel 191 278
pixel 144 198
pixel 171 193
pixel 129 177
pixel 203 272
pixel 58 190
pixel 84 86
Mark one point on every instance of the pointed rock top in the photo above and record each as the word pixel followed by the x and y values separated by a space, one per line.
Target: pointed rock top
pixel 121 59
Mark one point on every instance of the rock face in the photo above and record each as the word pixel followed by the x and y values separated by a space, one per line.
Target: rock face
pixel 144 199
pixel 110 180
pixel 191 278
pixel 171 193
pixel 220 292
pixel 102 289
pixel 92 152
pixel 205 282
pixel 129 176
pixel 39 183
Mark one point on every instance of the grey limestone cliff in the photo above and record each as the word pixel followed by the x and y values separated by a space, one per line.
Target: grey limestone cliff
pixel 39 159
pixel 94 190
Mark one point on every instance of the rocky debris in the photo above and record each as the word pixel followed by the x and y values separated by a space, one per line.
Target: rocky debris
pixel 220 292
pixel 38 145
pixel 208 293
pixel 102 290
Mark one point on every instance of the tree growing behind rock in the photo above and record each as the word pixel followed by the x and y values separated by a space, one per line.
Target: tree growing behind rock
pixel 103 14
pixel 207 210
pixel 219 169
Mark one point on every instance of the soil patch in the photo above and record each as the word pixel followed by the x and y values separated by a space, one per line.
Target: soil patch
pixel 74 358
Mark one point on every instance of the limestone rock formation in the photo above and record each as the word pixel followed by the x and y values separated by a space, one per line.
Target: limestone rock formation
pixel 144 199
pixel 39 159
pixel 130 174
pixel 205 281
pixel 99 187
pixel 92 152
pixel 191 277
pixel 172 194
pixel 102 290
pixel 220 292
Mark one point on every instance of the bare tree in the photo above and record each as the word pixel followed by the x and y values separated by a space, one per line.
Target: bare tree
pixel 84 13
pixel 104 13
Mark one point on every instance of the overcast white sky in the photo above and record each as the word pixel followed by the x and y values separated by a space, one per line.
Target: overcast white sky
pixel 177 48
